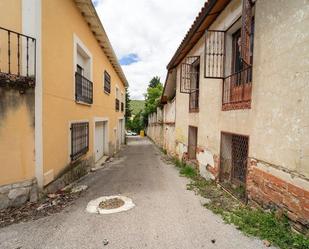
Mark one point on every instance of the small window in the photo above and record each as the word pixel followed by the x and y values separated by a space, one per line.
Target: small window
pixel 79 139
pixel 107 82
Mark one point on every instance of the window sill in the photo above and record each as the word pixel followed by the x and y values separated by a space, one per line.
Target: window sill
pixel 107 93
pixel 194 110
pixel 236 106
pixel 82 103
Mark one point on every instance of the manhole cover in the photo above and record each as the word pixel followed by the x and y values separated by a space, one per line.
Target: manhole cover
pixel 110 204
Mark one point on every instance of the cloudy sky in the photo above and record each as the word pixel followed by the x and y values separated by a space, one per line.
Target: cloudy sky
pixel 145 34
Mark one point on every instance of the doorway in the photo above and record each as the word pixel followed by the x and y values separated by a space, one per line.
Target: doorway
pixel 100 139
pixel 192 142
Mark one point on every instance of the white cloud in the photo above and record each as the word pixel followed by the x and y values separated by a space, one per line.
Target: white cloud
pixel 152 29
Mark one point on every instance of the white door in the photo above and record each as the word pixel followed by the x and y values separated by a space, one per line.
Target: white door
pixel 99 140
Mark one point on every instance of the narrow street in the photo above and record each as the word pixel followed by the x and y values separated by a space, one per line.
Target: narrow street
pixel 166 215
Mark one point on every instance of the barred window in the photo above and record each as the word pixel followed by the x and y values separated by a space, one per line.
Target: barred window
pixel 79 139
pixel 107 82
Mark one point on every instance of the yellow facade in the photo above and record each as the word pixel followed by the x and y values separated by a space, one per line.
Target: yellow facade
pixel 16 112
pixel 62 27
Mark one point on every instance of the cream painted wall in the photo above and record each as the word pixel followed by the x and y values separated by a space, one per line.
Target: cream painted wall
pixel 278 121
pixel 59 107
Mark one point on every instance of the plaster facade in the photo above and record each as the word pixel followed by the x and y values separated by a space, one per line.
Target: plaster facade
pixel 35 135
pixel 276 124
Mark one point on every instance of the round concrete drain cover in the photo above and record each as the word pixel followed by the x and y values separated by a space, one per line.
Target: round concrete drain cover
pixel 110 204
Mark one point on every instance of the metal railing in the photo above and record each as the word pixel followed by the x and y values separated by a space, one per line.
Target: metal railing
pixel 237 88
pixel 17 59
pixel 83 89
pixel 117 105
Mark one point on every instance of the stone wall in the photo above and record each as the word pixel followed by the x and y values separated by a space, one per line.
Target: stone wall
pixel 16 194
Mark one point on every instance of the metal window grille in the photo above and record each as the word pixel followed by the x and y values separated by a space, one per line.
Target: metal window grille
pixel 17 60
pixel 117 105
pixel 83 89
pixel 107 82
pixel 79 140
pixel 214 54
pixel 188 74
pixel 233 163
pixel 122 106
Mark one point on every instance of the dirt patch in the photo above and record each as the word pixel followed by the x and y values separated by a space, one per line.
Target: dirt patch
pixel 53 203
pixel 111 203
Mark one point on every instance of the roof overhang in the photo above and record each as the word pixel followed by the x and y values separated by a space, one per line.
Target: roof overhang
pixel 169 86
pixel 207 15
pixel 91 17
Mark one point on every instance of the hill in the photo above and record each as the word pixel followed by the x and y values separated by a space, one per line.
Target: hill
pixel 137 105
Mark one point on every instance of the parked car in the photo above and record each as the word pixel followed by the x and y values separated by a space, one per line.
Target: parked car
pixel 131 133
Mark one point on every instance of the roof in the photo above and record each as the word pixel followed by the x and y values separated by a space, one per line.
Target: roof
pixel 89 13
pixel 209 12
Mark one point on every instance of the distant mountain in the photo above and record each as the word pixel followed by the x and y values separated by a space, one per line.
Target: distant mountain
pixel 137 105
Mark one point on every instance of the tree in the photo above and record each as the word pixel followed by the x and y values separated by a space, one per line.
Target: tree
pixel 152 98
pixel 154 82
pixel 128 112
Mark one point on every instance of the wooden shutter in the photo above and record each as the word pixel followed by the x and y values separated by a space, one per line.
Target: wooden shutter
pixel 214 54
pixel 246 31
pixel 186 74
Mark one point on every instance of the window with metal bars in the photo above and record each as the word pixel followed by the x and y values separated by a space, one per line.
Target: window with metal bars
pixel 233 162
pixel 107 82
pixel 189 75
pixel 83 88
pixel 195 86
pixel 79 140
pixel 237 87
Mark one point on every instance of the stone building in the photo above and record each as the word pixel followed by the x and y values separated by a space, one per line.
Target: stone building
pixel 61 95
pixel 239 84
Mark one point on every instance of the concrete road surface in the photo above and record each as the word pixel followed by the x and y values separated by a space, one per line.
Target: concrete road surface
pixel 166 214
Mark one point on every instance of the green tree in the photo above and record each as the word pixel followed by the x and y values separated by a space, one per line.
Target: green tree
pixel 154 82
pixel 152 98
pixel 128 110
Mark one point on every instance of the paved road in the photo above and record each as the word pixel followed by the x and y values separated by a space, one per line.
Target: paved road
pixel 166 215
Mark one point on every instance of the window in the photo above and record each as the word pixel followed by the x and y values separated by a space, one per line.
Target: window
pixel 83 73
pixel 117 102
pixel 107 82
pixel 122 102
pixel 195 86
pixel 233 162
pixel 79 70
pixel 79 139
pixel 237 86
pixel 83 87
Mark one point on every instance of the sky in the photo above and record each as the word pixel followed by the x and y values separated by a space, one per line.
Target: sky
pixel 145 35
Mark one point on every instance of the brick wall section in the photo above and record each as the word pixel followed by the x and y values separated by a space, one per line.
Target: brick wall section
pixel 272 192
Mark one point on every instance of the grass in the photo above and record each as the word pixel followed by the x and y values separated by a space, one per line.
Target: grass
pixel 250 220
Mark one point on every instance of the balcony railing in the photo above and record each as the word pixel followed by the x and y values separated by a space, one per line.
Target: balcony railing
pixel 17 60
pixel 83 89
pixel 237 90
pixel 122 106
pixel 117 105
